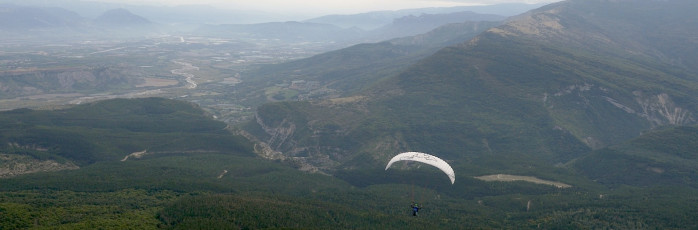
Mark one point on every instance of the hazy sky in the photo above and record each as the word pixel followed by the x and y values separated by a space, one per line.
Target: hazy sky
pixel 326 6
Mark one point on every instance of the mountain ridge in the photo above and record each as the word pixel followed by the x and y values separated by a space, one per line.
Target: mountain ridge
pixel 531 89
pixel 376 19
pixel 121 17
pixel 352 69
pixel 13 17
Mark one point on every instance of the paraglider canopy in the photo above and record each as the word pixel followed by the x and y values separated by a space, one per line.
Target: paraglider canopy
pixel 427 159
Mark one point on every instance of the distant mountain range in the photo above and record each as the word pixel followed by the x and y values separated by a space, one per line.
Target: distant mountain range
pixel 19 18
pixel 204 14
pixel 543 89
pixel 413 25
pixel 309 31
pixel 25 24
pixel 285 31
pixel 121 17
pixel 54 20
pixel 377 19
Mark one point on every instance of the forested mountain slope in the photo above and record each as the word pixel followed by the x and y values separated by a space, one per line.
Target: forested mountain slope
pixel 665 157
pixel 350 70
pixel 113 129
pixel 542 89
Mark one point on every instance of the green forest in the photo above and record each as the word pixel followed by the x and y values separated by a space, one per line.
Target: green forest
pixel 200 176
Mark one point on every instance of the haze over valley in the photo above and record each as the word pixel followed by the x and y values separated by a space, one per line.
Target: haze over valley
pixel 568 114
pixel 89 55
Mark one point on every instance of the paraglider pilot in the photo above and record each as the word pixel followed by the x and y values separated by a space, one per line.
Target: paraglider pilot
pixel 415 209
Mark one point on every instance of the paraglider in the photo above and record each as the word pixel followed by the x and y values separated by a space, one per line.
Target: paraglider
pixel 415 209
pixel 427 159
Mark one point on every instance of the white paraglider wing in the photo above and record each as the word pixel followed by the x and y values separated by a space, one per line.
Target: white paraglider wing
pixel 427 159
